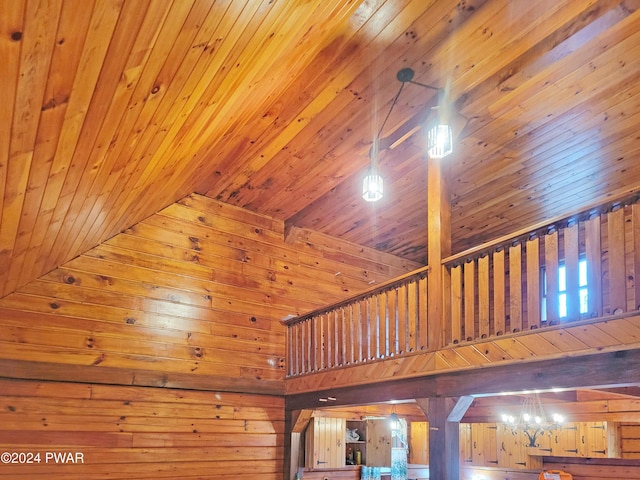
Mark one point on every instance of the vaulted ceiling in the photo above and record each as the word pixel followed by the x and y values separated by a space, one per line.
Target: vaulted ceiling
pixel 114 109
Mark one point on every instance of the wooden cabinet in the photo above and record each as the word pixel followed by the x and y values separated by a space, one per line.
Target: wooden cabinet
pixel 325 443
pixel 360 445
pixel 495 445
pixel 586 439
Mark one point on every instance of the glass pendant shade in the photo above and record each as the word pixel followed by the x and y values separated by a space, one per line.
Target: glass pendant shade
pixel 439 141
pixel 372 186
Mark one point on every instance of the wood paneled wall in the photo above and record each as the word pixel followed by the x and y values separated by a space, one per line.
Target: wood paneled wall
pixel 630 440
pixel 189 298
pixel 119 432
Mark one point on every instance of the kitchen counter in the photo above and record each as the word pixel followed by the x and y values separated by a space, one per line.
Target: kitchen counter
pixel 352 472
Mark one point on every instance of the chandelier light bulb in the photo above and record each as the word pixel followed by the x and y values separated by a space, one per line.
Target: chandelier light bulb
pixel 372 186
pixel 439 141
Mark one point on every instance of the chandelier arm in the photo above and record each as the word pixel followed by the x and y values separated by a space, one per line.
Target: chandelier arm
pixel 393 104
pixel 425 85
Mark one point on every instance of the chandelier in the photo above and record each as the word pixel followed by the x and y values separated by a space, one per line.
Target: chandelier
pixel 439 141
pixel 532 421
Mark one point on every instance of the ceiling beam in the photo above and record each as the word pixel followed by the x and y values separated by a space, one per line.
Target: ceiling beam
pixel 601 370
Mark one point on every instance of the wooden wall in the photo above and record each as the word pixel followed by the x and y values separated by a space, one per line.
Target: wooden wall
pixel 119 432
pixel 630 439
pixel 190 298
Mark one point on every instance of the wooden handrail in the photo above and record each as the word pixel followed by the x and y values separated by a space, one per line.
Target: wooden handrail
pixel 541 227
pixel 373 291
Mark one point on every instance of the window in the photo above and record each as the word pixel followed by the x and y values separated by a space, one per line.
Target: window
pixel 562 290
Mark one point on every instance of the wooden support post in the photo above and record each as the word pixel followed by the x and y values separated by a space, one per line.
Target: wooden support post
pixel 444 415
pixel 438 247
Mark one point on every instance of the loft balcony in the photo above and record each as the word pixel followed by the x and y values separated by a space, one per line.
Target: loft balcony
pixel 557 290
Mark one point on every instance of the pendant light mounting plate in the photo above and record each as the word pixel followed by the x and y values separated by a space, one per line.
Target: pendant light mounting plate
pixel 405 75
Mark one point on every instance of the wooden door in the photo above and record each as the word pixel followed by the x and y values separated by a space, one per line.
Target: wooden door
pixel 325 441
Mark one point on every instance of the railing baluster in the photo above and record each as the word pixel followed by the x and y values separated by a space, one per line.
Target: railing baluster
pixel 412 315
pixel 469 300
pixel 392 302
pixel 340 353
pixel 383 319
pixel 533 282
pixel 499 315
pixel 423 323
pixel 298 348
pixel 335 340
pixel 551 263
pixel 348 334
pixel 374 332
pixel 322 347
pixel 571 259
pixel 593 252
pixel 635 229
pixel 364 325
pixel 307 365
pixel 327 342
pixel 456 304
pixel 360 315
pixel 402 317
pixel 291 360
pixel 515 287
pixel 483 296
pixel 617 271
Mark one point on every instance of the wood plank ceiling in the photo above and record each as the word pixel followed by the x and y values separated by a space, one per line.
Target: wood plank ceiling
pixel 114 109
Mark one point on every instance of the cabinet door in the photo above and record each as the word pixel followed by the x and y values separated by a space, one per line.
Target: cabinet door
pixel 566 441
pixel 378 443
pixel 325 443
pixel 484 444
pixel 466 451
pixel 593 439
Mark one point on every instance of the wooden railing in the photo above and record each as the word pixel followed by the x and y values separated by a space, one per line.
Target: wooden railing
pixel 527 280
pixel 387 321
pixel 506 286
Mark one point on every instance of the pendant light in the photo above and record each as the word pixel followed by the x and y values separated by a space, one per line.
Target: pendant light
pixel 439 142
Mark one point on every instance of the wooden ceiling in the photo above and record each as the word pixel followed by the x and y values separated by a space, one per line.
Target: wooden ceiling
pixel 114 109
pixel 619 404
